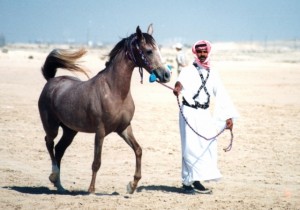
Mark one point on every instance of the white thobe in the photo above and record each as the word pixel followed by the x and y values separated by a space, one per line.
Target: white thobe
pixel 199 156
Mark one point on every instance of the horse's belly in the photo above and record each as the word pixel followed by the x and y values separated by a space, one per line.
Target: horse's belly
pixel 90 122
pixel 79 124
pixel 90 117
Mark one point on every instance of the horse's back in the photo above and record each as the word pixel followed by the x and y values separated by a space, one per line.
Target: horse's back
pixel 56 85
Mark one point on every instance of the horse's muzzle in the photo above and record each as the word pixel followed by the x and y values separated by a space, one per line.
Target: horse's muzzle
pixel 163 75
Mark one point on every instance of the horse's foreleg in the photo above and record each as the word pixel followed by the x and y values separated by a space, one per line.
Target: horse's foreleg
pixel 128 136
pixel 97 160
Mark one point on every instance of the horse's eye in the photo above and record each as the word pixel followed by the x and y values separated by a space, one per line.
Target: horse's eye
pixel 149 52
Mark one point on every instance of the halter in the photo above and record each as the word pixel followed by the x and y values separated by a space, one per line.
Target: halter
pixel 133 43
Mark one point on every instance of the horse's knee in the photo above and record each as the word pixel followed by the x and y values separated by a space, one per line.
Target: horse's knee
pixel 137 178
pixel 50 146
pixel 139 152
pixel 49 141
pixel 96 166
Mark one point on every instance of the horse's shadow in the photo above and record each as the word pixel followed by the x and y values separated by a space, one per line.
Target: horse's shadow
pixel 45 190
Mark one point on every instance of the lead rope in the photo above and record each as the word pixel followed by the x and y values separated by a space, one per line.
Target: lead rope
pixel 141 74
pixel 226 149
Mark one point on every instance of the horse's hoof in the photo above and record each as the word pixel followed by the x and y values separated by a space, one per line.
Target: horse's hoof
pixel 53 177
pixel 91 191
pixel 130 189
pixel 60 189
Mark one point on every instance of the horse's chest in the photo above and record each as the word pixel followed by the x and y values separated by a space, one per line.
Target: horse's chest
pixel 119 121
pixel 125 115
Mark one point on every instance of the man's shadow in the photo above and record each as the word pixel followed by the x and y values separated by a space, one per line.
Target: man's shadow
pixel 162 188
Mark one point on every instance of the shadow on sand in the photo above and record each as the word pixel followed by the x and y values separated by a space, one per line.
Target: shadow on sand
pixel 45 190
pixel 162 188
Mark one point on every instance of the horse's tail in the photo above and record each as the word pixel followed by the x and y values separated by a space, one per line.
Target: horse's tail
pixel 65 59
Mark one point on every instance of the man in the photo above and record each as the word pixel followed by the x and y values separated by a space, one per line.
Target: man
pixel 197 83
pixel 180 58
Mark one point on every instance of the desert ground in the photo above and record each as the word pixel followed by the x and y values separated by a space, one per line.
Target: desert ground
pixel 262 171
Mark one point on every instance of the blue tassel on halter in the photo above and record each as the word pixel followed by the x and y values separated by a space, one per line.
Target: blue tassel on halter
pixel 153 77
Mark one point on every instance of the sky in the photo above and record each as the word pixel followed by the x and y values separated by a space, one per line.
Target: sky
pixel 186 21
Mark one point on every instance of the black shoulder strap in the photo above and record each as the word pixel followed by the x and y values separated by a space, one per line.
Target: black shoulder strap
pixel 203 82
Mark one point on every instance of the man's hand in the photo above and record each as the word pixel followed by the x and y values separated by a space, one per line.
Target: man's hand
pixel 177 88
pixel 229 124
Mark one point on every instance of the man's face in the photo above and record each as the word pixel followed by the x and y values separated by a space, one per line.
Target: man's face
pixel 202 54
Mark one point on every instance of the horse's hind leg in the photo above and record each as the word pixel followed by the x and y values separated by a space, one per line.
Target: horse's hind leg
pixel 51 133
pixel 128 136
pixel 64 142
pixel 60 148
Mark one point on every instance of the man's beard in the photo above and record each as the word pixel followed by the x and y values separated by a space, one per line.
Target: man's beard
pixel 202 58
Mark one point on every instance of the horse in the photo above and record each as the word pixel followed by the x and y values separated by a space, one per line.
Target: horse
pixel 102 104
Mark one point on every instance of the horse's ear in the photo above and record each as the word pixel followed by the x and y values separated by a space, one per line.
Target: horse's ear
pixel 150 29
pixel 139 34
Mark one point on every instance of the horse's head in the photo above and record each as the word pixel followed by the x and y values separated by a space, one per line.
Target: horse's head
pixel 145 54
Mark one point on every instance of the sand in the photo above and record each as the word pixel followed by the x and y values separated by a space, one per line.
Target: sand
pixel 262 171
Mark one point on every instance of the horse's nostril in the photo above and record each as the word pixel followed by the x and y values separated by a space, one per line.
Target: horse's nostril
pixel 167 75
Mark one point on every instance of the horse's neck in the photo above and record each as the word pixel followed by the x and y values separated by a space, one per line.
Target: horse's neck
pixel 119 74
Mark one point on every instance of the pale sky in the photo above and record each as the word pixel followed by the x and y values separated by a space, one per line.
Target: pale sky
pixel 186 21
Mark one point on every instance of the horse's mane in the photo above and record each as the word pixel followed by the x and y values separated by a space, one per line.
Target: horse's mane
pixel 123 44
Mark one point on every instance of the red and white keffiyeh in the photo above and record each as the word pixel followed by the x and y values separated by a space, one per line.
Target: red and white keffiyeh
pixel 202 44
